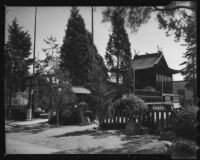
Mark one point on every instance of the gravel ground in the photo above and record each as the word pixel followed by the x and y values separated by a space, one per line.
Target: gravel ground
pixel 78 139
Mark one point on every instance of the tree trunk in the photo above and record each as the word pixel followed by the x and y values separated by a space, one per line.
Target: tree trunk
pixel 193 84
pixel 29 110
pixel 50 114
pixel 57 115
pixel 51 92
pixel 10 103
pixel 117 73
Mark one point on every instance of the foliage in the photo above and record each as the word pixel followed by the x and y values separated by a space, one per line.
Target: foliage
pixel 184 123
pixel 101 97
pixel 118 52
pixel 17 52
pixel 79 56
pixel 177 18
pixel 18 113
pixel 181 23
pixel 182 147
pixel 131 104
pixel 167 136
pixel 56 82
pixel 78 53
pixel 133 17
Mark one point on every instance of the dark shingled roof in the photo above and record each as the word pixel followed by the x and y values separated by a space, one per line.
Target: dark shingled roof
pixel 148 61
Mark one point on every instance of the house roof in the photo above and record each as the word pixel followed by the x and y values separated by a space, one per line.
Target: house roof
pixel 80 90
pixel 149 60
pixel 146 60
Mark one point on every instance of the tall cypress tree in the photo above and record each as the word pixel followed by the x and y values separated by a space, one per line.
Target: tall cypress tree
pixel 17 50
pixel 74 51
pixel 78 50
pixel 118 52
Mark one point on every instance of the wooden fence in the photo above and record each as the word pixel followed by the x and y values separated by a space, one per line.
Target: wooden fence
pixel 158 115
pixel 117 122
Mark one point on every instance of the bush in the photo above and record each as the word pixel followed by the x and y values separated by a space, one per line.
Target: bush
pixel 18 113
pixel 132 104
pixel 167 136
pixel 184 123
pixel 182 147
pixel 66 118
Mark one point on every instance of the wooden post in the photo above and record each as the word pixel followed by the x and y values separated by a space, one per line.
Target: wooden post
pixel 162 118
pixel 167 117
pixel 153 117
pixel 157 117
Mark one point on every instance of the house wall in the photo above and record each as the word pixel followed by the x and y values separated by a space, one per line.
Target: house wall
pixel 144 78
pixel 153 78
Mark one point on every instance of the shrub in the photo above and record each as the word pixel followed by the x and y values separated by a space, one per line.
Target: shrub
pixel 132 104
pixel 167 136
pixel 184 123
pixel 182 147
pixel 18 113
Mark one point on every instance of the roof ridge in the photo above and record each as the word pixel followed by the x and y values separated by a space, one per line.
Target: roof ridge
pixel 146 55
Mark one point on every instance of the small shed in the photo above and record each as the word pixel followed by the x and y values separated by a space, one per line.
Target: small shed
pixel 81 92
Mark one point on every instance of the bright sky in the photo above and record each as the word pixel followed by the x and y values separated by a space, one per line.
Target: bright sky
pixel 53 21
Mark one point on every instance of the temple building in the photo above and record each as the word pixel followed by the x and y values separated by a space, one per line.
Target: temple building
pixel 153 77
pixel 152 74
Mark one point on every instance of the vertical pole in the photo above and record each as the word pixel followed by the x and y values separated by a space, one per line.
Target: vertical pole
pixel 92 40
pixel 134 81
pixel 162 84
pixel 31 96
pixel 34 56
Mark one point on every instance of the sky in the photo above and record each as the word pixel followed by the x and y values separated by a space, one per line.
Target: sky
pixel 53 21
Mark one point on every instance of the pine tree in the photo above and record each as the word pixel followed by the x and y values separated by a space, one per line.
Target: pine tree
pixel 17 50
pixel 78 53
pixel 190 69
pixel 74 51
pixel 118 52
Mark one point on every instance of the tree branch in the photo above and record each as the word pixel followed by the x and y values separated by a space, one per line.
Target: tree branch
pixel 172 9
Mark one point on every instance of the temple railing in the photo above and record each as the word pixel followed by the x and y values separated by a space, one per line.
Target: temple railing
pixel 147 93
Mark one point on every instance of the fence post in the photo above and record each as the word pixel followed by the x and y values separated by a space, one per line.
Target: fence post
pixel 162 118
pixel 153 118
pixel 157 117
pixel 167 118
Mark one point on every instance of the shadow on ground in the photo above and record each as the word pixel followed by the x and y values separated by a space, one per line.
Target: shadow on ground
pixel 129 146
pixel 95 133
pixel 33 129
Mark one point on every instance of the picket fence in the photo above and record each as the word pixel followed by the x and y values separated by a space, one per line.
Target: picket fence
pixel 158 115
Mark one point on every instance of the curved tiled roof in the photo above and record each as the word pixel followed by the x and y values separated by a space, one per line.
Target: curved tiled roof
pixel 149 60
pixel 146 60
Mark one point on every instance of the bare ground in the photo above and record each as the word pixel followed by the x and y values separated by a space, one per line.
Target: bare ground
pixel 46 139
pixel 77 139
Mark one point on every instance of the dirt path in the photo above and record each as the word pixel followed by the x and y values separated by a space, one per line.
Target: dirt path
pixel 19 147
pixel 78 139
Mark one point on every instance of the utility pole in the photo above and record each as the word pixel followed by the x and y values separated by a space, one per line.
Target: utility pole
pixel 92 40
pixel 162 78
pixel 31 93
